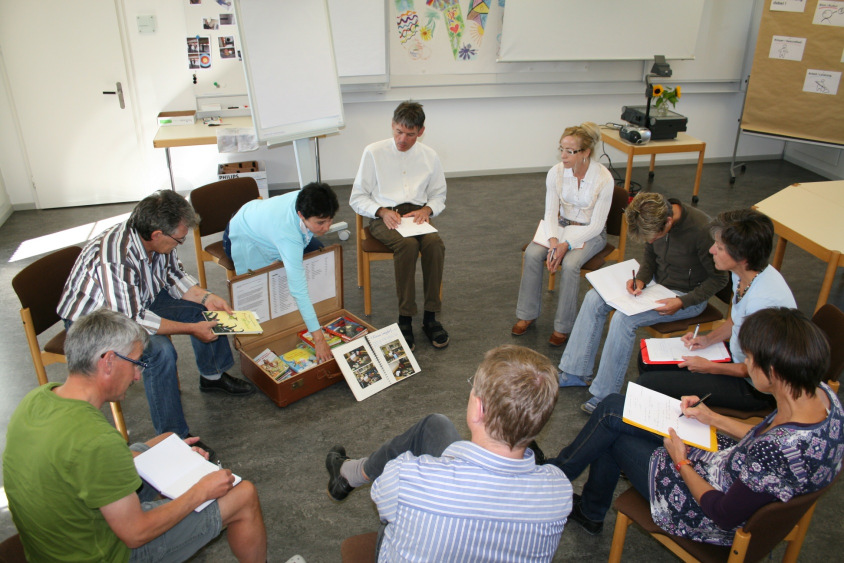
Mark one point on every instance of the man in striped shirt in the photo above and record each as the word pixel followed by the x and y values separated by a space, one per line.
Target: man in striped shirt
pixel 443 499
pixel 133 268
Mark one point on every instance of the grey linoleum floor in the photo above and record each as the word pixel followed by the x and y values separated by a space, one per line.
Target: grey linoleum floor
pixel 282 450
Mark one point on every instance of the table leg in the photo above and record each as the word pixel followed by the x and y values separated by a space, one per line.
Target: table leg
pixel 779 253
pixel 629 174
pixel 695 197
pixel 826 286
pixel 653 165
pixel 170 168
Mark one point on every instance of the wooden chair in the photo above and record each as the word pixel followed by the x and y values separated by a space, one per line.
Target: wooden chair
pixel 709 319
pixel 370 249
pixel 216 204
pixel 39 287
pixel 11 550
pixel 830 319
pixel 359 549
pixel 616 226
pixel 763 531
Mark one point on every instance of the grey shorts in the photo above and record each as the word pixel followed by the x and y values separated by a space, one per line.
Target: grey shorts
pixel 184 539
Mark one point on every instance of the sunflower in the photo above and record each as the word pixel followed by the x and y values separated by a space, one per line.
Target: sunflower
pixel 677 90
pixel 658 90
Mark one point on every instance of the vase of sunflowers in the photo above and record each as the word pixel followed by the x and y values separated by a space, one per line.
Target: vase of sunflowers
pixel 663 96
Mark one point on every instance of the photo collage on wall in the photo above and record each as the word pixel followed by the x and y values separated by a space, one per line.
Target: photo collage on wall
pixel 199 47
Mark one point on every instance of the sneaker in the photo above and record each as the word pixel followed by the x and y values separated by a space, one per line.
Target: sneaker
pixel 338 487
pixel 407 332
pixel 436 334
pixel 592 527
pixel 589 406
pixel 568 380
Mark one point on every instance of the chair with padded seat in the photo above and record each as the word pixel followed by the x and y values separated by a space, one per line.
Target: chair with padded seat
pixel 709 319
pixel 763 531
pixel 216 204
pixel 830 319
pixel 359 549
pixel 616 226
pixel 369 249
pixel 39 288
pixel 11 550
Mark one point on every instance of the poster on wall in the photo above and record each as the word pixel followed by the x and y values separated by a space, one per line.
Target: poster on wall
pixel 214 59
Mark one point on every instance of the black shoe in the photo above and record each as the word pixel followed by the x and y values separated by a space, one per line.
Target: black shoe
pixel 226 384
pixel 212 455
pixel 436 334
pixel 407 332
pixel 592 527
pixel 538 455
pixel 338 487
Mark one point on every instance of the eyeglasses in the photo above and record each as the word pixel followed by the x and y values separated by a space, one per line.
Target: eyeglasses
pixel 138 363
pixel 471 381
pixel 570 151
pixel 178 240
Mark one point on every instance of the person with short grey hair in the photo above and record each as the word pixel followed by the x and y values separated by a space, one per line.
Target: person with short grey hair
pixel 70 478
pixel 133 268
pixel 677 243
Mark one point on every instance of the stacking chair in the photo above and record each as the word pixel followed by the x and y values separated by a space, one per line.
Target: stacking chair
pixel 709 319
pixel 763 531
pixel 616 226
pixel 11 550
pixel 216 204
pixel 830 319
pixel 369 249
pixel 359 549
pixel 39 287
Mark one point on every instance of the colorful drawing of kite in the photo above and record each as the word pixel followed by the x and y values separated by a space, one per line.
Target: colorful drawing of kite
pixel 407 20
pixel 476 19
pixel 453 21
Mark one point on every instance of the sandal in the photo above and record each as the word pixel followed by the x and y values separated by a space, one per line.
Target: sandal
pixel 436 334
pixel 407 332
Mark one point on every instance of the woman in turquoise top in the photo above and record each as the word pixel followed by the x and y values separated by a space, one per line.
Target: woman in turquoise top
pixel 283 228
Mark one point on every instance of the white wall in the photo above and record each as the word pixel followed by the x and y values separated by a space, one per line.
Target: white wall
pixel 483 135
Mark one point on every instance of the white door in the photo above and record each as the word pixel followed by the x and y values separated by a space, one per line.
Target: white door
pixel 60 57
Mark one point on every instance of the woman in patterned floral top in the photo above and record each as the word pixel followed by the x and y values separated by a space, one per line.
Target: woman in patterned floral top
pixel 703 495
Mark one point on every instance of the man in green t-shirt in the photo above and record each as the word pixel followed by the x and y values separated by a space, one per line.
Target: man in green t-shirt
pixel 71 480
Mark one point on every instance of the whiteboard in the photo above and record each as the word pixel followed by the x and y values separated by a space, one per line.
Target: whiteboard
pixel 358 28
pixel 578 30
pixel 291 73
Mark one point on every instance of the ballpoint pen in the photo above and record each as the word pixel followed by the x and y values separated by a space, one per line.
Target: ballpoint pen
pixel 698 403
pixel 697 328
pixel 633 273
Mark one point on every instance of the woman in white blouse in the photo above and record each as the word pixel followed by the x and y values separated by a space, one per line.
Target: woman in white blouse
pixel 578 197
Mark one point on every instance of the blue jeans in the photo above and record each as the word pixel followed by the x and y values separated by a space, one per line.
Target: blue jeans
pixel 579 356
pixel 315 244
pixel 161 381
pixel 608 445
pixel 431 436
pixel 530 289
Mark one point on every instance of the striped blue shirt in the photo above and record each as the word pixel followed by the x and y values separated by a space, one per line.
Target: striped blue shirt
pixel 471 505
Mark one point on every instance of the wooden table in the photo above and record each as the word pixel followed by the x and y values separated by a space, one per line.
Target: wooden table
pixel 171 136
pixel 683 143
pixel 807 215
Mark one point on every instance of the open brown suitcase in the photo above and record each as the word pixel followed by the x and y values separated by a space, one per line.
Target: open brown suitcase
pixel 267 289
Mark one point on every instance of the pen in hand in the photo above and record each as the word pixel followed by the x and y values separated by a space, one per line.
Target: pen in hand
pixel 697 329
pixel 633 273
pixel 697 403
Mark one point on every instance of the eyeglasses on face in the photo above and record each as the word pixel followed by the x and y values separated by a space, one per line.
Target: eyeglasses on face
pixel 570 151
pixel 178 240
pixel 138 363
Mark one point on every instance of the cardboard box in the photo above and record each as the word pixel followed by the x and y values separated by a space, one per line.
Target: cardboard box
pixel 166 118
pixel 281 329
pixel 252 168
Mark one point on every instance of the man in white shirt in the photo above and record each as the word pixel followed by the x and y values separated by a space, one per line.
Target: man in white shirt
pixel 401 177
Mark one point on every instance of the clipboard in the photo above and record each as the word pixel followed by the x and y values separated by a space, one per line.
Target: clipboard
pixel 647 360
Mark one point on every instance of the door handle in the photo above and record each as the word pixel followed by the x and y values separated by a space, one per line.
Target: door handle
pixel 119 93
